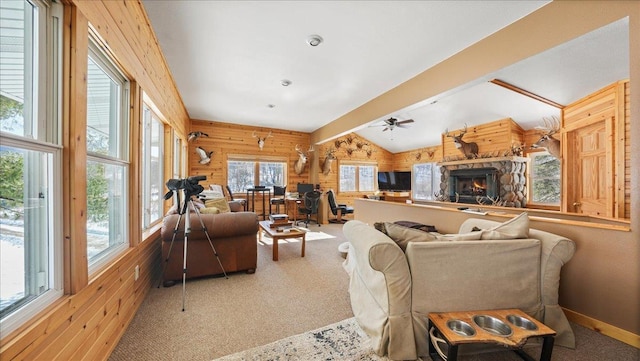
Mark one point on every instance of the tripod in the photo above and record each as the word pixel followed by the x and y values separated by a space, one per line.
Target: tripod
pixel 187 224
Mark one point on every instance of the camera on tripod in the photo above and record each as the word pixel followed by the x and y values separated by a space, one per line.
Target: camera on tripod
pixel 189 185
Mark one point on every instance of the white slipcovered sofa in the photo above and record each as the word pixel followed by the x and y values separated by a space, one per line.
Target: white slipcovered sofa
pixel 392 292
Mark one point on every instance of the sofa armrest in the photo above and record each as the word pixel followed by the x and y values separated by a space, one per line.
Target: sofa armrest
pixel 236 206
pixel 380 290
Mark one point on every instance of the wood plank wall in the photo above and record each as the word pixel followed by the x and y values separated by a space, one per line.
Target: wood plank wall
pixel 493 138
pixel 226 139
pixel 404 161
pixel 627 150
pixel 87 322
pixel 350 148
pixel 125 28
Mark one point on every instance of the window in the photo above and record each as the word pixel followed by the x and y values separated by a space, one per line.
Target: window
pixel 107 158
pixel 544 178
pixel 426 181
pixel 357 177
pixel 30 160
pixel 152 167
pixel 246 173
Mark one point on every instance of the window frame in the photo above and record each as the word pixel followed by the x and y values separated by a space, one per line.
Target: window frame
pixel 257 161
pixel 44 137
pixel 435 181
pixel 121 159
pixel 148 110
pixel 531 179
pixel 357 165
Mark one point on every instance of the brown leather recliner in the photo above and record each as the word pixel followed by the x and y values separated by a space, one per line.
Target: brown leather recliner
pixel 234 238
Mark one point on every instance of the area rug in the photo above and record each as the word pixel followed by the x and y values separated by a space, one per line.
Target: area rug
pixel 343 340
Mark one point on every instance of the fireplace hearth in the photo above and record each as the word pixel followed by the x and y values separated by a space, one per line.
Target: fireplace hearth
pixel 485 181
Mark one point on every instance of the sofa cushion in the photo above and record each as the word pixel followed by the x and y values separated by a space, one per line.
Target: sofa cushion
pixel 219 203
pixel 517 227
pixel 403 235
pixel 471 236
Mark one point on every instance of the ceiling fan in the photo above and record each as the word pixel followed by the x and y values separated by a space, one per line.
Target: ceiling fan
pixel 392 123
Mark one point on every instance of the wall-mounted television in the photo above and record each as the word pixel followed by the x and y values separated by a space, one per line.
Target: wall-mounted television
pixel 394 181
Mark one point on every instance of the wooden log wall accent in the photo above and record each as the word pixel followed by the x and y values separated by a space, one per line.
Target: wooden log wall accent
pixel 348 150
pixel 404 161
pixel 493 138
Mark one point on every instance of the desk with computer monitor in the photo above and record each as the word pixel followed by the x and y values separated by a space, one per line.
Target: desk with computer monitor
pixel 294 200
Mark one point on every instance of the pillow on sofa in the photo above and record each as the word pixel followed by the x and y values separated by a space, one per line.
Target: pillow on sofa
pixel 210 210
pixel 416 225
pixel 517 227
pixel 403 235
pixel 219 203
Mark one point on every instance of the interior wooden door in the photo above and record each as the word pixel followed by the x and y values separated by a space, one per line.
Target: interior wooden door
pixel 591 170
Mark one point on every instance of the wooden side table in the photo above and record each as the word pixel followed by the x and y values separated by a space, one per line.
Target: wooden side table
pixel 466 327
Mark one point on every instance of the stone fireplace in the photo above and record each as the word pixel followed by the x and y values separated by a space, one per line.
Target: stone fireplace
pixel 485 180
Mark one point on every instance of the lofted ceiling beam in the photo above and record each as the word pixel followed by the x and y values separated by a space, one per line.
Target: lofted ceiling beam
pixel 527 93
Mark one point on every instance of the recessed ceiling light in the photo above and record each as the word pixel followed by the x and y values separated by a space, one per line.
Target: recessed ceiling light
pixel 285 82
pixel 314 40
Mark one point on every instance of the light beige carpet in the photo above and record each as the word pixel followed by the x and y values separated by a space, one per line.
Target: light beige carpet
pixel 224 316
pixel 284 299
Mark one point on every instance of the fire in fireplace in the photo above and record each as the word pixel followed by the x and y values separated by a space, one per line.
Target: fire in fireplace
pixel 468 184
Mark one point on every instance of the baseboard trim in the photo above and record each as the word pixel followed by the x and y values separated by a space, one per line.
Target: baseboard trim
pixel 603 328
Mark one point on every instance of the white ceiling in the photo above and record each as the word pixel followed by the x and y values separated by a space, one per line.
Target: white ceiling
pixel 228 59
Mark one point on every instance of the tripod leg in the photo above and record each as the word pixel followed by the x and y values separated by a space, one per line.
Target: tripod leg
pixel 204 228
pixel 184 271
pixel 166 261
pixel 187 230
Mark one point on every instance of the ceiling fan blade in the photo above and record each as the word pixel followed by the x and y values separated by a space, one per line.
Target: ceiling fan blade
pixel 404 121
pixel 385 129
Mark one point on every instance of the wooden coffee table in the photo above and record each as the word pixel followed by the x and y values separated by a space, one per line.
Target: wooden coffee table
pixel 521 325
pixel 293 232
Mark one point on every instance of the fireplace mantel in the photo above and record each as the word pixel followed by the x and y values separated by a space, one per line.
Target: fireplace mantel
pixel 485 160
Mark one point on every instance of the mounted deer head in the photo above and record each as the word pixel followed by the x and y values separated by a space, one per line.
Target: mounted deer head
pixel 261 140
pixel 430 153
pixel 470 150
pixel 330 156
pixel 298 167
pixel 515 150
pixel 338 143
pixel 546 141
